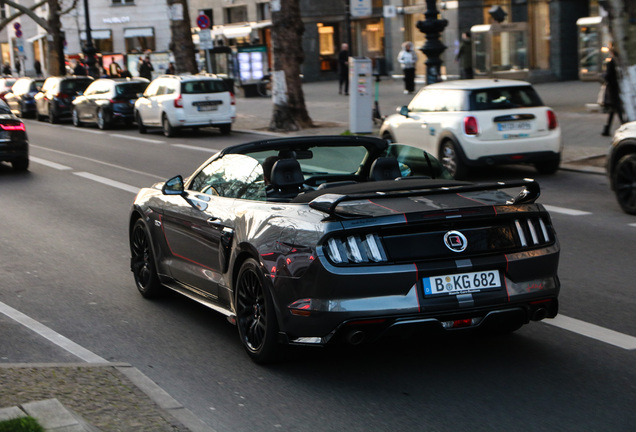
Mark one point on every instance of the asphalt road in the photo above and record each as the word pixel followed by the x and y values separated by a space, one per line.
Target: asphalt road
pixel 65 264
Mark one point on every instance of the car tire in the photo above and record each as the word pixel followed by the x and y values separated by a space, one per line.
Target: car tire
pixel 102 119
pixel 255 315
pixel 225 129
pixel 20 164
pixel 52 116
pixel 387 136
pixel 450 158
pixel 142 262
pixel 168 129
pixel 548 167
pixel 624 181
pixel 38 117
pixel 140 124
pixel 76 120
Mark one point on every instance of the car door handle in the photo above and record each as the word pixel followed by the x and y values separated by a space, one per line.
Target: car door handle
pixel 214 222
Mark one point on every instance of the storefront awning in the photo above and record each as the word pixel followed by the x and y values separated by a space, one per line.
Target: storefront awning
pixel 233 31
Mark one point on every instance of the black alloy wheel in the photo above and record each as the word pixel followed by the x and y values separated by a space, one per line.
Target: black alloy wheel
pixel 625 183
pixel 256 318
pixel 143 263
pixel 450 158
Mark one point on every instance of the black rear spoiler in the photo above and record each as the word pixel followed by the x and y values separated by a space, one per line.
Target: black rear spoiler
pixel 329 202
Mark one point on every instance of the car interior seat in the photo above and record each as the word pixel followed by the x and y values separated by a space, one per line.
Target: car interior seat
pixel 385 168
pixel 286 180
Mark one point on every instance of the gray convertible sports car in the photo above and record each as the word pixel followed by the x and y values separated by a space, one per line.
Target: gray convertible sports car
pixel 318 240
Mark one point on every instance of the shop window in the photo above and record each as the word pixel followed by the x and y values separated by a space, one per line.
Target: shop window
pixel 139 39
pixel 123 2
pixel 327 46
pixel 102 40
pixel 236 14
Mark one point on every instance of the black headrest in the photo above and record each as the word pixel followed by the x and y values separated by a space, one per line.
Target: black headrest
pixel 287 173
pixel 385 168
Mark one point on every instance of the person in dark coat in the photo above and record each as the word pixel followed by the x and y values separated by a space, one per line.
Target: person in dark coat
pixel 145 68
pixel 37 66
pixel 612 100
pixel 343 69
pixel 465 57
pixel 79 68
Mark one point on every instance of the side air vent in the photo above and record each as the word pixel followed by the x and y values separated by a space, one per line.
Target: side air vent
pixel 532 232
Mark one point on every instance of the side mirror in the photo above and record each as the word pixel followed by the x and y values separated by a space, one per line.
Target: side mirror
pixel 404 111
pixel 174 186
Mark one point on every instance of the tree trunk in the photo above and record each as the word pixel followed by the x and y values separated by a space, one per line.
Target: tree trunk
pixel 55 64
pixel 289 113
pixel 181 46
pixel 620 14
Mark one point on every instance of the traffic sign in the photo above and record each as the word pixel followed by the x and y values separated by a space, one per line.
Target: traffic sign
pixel 203 21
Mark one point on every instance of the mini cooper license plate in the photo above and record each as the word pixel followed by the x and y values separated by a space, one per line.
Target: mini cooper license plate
pixel 514 125
pixel 454 284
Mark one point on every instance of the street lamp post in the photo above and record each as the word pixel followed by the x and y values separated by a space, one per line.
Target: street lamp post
pixel 89 48
pixel 432 27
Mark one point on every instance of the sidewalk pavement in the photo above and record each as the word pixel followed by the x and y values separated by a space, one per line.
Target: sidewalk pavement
pixel 70 397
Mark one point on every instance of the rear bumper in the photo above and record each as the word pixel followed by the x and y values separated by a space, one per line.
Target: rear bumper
pixel 13 151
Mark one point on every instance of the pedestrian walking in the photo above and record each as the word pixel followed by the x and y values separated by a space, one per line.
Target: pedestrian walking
pixel 612 98
pixel 465 57
pixel 171 69
pixel 37 67
pixel 343 69
pixel 6 69
pixel 114 70
pixel 145 68
pixel 407 59
pixel 79 68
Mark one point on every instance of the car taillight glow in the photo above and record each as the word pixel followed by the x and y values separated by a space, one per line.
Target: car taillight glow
pixel 18 127
pixel 355 249
pixel 178 102
pixel 232 99
pixel 552 120
pixel 63 96
pixel 470 126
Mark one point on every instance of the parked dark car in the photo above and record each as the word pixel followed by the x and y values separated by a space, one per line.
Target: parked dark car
pixel 621 166
pixel 20 98
pixel 14 143
pixel 107 101
pixel 320 240
pixel 55 100
pixel 5 85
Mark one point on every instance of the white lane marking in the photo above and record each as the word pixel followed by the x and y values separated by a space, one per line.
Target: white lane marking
pixel 108 182
pixel 593 331
pixel 100 162
pixel 189 147
pixel 148 140
pixel 49 164
pixel 51 335
pixel 566 211
pixel 632 225
pixel 93 131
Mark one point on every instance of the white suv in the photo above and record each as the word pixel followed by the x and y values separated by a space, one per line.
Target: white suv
pixel 479 122
pixel 177 101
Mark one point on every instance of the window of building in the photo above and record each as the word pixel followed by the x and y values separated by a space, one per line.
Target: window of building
pixel 236 14
pixel 139 39
pixel 123 2
pixel 102 40
pixel 263 11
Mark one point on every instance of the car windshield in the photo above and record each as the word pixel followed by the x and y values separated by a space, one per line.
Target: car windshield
pixel 203 86
pixel 131 89
pixel 74 86
pixel 504 98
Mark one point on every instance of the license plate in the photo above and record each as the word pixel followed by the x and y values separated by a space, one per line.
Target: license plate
pixel 461 283
pixel 207 107
pixel 514 125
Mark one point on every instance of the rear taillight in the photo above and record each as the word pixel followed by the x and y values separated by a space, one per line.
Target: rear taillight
pixel 470 126
pixel 17 127
pixel 232 99
pixel 178 102
pixel 63 96
pixel 355 249
pixel 552 120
